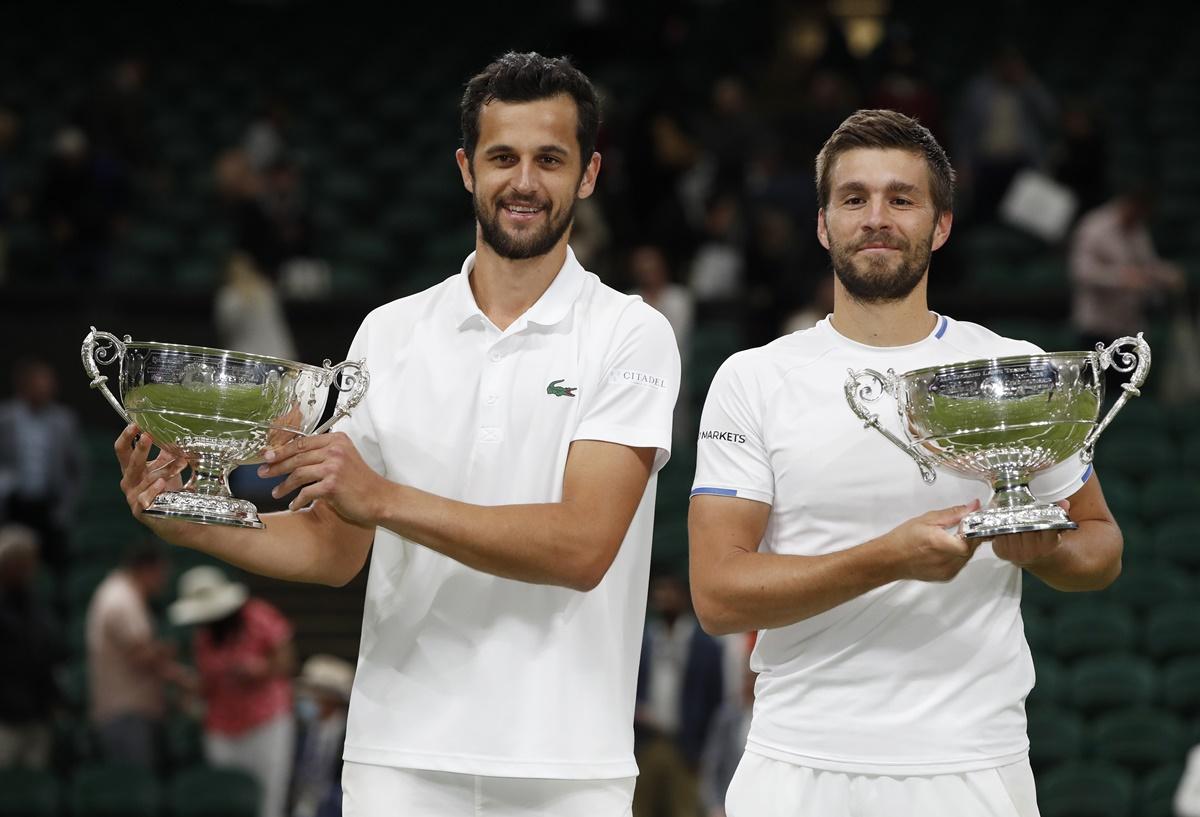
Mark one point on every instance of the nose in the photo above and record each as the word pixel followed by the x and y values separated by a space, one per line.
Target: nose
pixel 877 216
pixel 524 180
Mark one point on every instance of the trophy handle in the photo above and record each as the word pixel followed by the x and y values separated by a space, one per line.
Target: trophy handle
pixel 1136 361
pixel 103 348
pixel 348 376
pixel 867 386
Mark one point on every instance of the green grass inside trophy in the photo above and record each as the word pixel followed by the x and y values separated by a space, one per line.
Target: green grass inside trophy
pixel 1004 420
pixel 217 409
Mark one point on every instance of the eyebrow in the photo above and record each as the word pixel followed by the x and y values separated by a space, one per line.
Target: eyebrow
pixel 894 186
pixel 557 150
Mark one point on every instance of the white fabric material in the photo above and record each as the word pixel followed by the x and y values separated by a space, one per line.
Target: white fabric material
pixel 763 787
pixel 265 752
pixel 912 677
pixel 379 791
pixel 466 672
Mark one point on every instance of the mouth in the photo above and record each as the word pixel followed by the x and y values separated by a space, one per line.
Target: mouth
pixel 522 212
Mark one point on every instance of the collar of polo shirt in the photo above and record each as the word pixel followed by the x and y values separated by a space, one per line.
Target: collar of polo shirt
pixel 549 309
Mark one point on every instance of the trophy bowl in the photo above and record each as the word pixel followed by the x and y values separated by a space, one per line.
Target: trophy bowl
pixel 216 409
pixel 1004 420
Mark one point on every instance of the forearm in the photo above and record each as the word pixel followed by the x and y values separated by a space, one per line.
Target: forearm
pixel 750 590
pixel 548 543
pixel 313 545
pixel 1088 558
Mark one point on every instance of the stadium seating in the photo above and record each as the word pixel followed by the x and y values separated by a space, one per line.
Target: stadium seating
pixel 202 791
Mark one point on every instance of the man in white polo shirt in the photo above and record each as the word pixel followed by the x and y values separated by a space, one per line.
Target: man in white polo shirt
pixel 503 464
pixel 892 664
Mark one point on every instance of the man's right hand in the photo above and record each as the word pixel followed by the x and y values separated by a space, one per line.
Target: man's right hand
pixel 924 549
pixel 143 479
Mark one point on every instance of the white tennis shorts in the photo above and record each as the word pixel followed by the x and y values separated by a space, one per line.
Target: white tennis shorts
pixel 764 787
pixel 383 791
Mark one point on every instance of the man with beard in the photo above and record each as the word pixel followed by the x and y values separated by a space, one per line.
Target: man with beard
pixel 892 663
pixel 503 463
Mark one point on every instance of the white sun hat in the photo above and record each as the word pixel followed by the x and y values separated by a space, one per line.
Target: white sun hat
pixel 327 674
pixel 205 594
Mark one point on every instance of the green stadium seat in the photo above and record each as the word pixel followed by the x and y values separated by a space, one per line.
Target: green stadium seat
pixel 1156 791
pixel 1138 738
pixel 670 547
pixel 1139 413
pixel 1181 684
pixel 1121 494
pixel 1142 586
pixel 1052 684
pixel 74 742
pixel 1086 789
pixel 1173 629
pixel 72 682
pixel 114 790
pixel 1105 681
pixel 28 793
pixel 1055 736
pixel 202 791
pixel 183 742
pixel 1037 594
pixel 1092 627
pixel 81 583
pixel 1038 631
pixel 1169 494
pixel 1137 454
pixel 1177 539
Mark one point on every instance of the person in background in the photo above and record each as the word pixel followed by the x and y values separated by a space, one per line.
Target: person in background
pixel 727 739
pixel 128 666
pixel 41 459
pixel 323 692
pixel 29 648
pixel 680 686
pixel 243 651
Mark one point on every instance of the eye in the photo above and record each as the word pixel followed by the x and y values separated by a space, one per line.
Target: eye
pixel 900 200
pixel 550 161
pixel 851 201
pixel 504 159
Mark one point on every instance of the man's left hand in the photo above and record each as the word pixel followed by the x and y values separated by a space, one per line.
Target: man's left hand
pixel 327 467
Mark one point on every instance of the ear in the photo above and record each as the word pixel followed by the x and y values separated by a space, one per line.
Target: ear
pixel 464 167
pixel 822 229
pixel 941 230
pixel 587 185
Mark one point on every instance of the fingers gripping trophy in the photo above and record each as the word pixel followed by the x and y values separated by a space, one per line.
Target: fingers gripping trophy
pixel 1004 420
pixel 216 410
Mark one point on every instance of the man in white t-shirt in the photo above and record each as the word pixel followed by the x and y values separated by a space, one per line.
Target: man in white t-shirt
pixel 503 464
pixel 892 662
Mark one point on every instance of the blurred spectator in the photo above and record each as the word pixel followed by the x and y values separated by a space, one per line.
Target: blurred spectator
pixel 29 648
pixel 679 689
pixel 780 272
pixel 1005 124
pixel 264 143
pixel 1116 274
pixel 249 314
pixel 651 277
pixel 72 209
pixel 731 132
pixel 323 689
pixel 114 118
pixel 128 666
pixel 590 236
pixel 243 652
pixel 726 744
pixel 41 459
pixel 900 86
pixel 818 308
pixel 1080 159
pixel 718 267
pixel 267 211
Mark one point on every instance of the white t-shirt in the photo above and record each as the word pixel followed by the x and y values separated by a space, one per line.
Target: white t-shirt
pixel 912 677
pixel 459 670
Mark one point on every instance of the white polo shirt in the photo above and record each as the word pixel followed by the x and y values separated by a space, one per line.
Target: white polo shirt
pixel 459 670
pixel 912 677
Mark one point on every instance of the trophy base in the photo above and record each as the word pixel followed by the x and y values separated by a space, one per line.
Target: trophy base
pixel 205 510
pixel 991 522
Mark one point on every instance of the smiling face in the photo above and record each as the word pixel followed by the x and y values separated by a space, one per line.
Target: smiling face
pixel 527 174
pixel 880 225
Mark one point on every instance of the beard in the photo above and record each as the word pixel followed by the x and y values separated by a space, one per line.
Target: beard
pixel 517 247
pixel 872 280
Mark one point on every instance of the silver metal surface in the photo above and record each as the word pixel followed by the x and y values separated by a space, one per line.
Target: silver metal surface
pixel 217 409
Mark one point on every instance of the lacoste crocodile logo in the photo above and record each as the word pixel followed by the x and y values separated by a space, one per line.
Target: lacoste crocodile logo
pixel 560 391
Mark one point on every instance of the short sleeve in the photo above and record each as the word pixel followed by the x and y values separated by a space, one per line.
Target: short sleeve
pixel 731 456
pixel 357 425
pixel 637 387
pixel 1061 481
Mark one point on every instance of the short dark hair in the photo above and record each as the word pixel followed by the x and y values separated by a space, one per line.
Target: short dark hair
pixel 527 78
pixel 143 551
pixel 885 129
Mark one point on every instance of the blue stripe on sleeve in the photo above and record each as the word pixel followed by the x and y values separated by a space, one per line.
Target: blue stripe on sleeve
pixel 714 491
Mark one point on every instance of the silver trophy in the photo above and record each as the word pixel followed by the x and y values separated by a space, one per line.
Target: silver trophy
pixel 1004 420
pixel 218 410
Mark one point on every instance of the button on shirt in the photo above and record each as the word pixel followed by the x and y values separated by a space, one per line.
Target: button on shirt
pixel 467 672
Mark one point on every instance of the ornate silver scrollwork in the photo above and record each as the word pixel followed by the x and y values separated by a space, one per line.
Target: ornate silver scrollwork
pixel 866 386
pixel 1135 360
